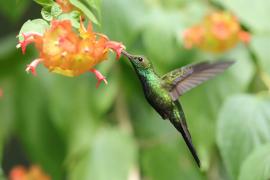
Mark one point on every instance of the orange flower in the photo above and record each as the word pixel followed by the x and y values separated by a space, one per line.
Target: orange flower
pixel 218 32
pixel 33 173
pixel 65 5
pixel 1 92
pixel 193 36
pixel 65 51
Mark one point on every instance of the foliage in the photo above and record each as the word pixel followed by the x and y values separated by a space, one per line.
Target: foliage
pixel 74 131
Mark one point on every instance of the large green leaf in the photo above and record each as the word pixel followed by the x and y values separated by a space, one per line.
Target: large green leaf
pixel 171 3
pixel 36 25
pixel 257 166
pixel 50 12
pixel 243 125
pixel 260 44
pixel 112 156
pixel 166 160
pixel 85 10
pixel 56 10
pixel 253 13
pixel 73 16
pixel 95 4
pixel 46 14
pixel 45 2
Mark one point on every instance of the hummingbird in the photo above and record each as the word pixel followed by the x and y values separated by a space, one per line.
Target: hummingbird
pixel 162 92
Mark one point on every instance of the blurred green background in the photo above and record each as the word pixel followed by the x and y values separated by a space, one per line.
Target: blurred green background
pixel 75 131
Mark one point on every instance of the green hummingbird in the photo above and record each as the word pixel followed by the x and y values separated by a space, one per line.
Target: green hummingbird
pixel 162 92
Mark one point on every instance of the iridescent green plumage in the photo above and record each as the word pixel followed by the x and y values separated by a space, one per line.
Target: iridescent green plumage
pixel 162 92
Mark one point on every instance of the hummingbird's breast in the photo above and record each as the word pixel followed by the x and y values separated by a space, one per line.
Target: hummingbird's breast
pixel 158 97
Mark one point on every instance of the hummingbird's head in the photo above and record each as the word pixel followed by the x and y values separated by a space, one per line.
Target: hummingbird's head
pixel 139 62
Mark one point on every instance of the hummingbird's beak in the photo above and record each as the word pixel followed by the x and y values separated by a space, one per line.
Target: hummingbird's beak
pixel 125 53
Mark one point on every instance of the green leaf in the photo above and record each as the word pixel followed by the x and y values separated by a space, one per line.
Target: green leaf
pixel 115 152
pixel 73 16
pixel 56 10
pixel 163 161
pixel 252 13
pixel 45 2
pixel 260 43
pixel 172 4
pixel 243 125
pixel 46 14
pixel 85 10
pixel 257 166
pixel 95 4
pixel 50 12
pixel 112 156
pixel 36 25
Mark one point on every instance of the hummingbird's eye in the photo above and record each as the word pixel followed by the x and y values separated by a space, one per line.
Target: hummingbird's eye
pixel 140 59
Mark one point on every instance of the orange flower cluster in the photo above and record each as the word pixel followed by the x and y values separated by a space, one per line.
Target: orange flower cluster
pixel 218 32
pixel 1 92
pixel 33 173
pixel 68 52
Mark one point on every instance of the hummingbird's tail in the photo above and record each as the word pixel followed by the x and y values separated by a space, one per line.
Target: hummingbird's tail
pixel 181 125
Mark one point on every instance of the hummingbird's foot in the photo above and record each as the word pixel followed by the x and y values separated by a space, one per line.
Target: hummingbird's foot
pixel 99 77
pixel 32 66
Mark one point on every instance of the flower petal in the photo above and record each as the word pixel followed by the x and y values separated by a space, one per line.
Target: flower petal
pixel 32 66
pixel 244 36
pixel 116 47
pixel 27 39
pixel 99 77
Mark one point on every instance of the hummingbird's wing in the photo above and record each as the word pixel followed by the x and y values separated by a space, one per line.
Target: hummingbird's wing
pixel 183 79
